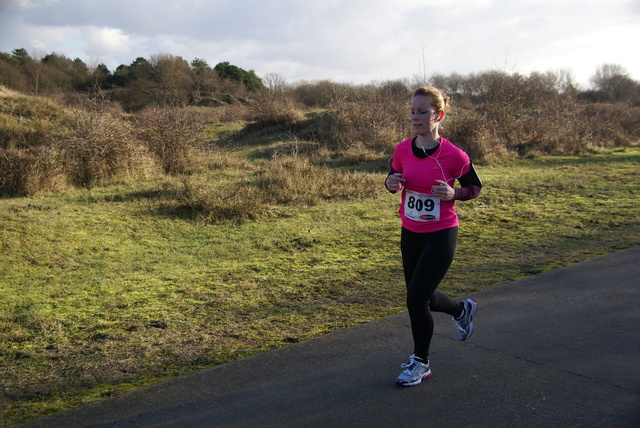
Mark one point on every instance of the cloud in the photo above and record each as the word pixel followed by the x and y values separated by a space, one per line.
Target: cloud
pixel 24 4
pixel 345 40
pixel 104 41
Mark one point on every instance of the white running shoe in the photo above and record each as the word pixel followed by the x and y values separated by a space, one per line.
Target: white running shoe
pixel 465 323
pixel 414 372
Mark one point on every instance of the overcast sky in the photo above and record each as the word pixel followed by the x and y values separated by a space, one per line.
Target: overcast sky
pixel 353 41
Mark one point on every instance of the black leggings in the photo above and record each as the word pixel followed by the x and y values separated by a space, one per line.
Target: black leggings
pixel 426 257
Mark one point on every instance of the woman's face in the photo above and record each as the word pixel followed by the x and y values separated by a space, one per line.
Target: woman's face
pixel 423 117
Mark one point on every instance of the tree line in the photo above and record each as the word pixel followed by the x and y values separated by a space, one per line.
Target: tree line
pixel 167 80
pixel 160 80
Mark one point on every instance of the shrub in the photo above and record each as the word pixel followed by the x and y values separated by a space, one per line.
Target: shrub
pixel 294 179
pixel 372 118
pixel 26 172
pixel 611 124
pixel 213 202
pixel 286 180
pixel 172 134
pixel 468 130
pixel 103 147
pixel 563 126
pixel 269 108
pixel 318 94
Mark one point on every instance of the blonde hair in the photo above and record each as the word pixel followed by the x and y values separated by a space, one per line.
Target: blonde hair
pixel 439 100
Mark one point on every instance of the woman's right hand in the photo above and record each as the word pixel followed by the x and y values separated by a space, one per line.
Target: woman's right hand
pixel 394 182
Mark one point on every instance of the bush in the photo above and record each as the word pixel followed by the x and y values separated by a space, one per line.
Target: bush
pixel 318 94
pixel 213 202
pixel 610 125
pixel 286 180
pixel 103 147
pixel 45 146
pixel 294 179
pixel 172 134
pixel 372 118
pixel 26 172
pixel 468 130
pixel 269 109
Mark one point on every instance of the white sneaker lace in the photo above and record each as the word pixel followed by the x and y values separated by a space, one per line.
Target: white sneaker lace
pixel 411 365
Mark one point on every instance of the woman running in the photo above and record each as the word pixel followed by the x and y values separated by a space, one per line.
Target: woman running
pixel 424 168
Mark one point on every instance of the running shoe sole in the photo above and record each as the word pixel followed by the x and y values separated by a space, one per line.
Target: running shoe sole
pixel 425 376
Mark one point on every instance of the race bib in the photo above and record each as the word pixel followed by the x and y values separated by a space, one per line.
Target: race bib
pixel 421 207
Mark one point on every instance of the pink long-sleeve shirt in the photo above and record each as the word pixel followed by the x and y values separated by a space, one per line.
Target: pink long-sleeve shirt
pixel 420 210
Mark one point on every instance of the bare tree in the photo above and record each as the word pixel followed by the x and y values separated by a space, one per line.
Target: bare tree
pixel 614 83
pixel 274 83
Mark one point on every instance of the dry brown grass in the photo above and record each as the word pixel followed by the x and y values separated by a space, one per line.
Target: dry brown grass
pixel 289 180
pixel 296 180
pixel 27 121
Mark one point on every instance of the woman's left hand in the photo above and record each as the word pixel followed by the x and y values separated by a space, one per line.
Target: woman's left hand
pixel 443 191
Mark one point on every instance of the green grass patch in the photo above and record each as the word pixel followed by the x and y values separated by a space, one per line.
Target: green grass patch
pixel 110 289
